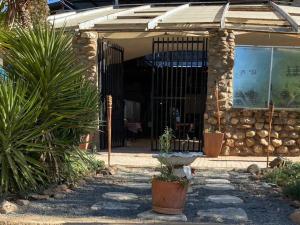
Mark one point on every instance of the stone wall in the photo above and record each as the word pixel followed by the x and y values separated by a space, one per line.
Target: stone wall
pixel 246 131
pixel 85 46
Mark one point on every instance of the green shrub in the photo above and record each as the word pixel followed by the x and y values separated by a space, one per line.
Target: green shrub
pixel 79 164
pixel 292 189
pixel 58 104
pixel 284 175
pixel 287 177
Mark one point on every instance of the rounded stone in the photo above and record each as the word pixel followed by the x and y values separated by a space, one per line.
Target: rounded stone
pixel 258 149
pixel 274 134
pixel 264 142
pixel 114 206
pixel 151 215
pixel 290 142
pixel 259 126
pixel 250 133
pixel 277 128
pixel 120 196
pixel 276 142
pixel 282 150
pixel 250 142
pixel 263 133
pixel 234 121
pixel 224 199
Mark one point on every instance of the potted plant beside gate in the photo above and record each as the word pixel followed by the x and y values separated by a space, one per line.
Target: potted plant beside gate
pixel 213 139
pixel 170 187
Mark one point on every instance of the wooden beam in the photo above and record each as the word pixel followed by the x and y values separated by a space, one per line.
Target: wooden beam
pixel 153 23
pixel 225 10
pixel 285 15
pixel 91 23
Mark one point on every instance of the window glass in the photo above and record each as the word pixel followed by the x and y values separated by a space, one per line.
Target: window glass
pixel 285 91
pixel 251 77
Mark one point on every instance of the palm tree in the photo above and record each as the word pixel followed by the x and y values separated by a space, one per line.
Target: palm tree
pixel 25 12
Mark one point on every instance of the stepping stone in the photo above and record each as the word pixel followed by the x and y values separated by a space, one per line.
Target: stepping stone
pixel 219 215
pixel 114 206
pixel 137 185
pixel 151 215
pixel 120 196
pixel 212 174
pixel 217 181
pixel 218 187
pixel 224 199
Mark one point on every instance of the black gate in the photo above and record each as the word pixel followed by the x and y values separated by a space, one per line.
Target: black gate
pixel 179 90
pixel 110 77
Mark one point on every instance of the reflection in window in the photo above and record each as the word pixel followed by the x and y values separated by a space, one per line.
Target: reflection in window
pixel 285 91
pixel 251 77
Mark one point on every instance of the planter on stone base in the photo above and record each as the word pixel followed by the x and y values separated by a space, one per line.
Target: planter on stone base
pixel 213 144
pixel 168 197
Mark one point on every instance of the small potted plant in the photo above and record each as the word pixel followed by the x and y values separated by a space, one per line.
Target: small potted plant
pixel 170 187
pixel 213 139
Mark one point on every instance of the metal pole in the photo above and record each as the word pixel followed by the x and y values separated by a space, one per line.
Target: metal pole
pixel 109 111
pixel 271 112
pixel 218 107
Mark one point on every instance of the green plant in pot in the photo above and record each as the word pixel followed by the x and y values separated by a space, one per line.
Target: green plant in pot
pixel 168 190
pixel 213 138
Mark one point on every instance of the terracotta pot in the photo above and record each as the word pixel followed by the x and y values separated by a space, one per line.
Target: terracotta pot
pixel 85 142
pixel 213 144
pixel 168 197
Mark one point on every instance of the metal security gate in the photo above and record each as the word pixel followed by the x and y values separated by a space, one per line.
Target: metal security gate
pixel 179 90
pixel 110 77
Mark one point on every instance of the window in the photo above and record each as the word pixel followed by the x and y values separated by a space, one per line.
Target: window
pixel 285 91
pixel 264 74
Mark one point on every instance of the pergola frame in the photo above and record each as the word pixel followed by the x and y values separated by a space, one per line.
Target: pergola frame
pixel 262 17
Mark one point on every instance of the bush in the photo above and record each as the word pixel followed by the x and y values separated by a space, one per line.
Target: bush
pixel 42 121
pixel 287 177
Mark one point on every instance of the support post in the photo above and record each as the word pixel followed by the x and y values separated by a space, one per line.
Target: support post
pixel 271 112
pixel 109 112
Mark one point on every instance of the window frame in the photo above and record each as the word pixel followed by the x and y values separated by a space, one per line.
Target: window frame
pixel 270 77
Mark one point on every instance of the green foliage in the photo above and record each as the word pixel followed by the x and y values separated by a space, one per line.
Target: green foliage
pixel 167 175
pixel 79 164
pixel 165 140
pixel 287 177
pixel 61 106
pixel 19 154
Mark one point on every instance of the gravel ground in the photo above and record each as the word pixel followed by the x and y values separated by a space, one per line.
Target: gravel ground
pixel 261 203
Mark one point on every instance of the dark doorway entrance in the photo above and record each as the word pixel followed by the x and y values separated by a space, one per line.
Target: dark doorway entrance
pixel 179 90
pixel 110 78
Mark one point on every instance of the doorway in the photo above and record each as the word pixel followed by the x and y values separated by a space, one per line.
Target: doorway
pixel 167 88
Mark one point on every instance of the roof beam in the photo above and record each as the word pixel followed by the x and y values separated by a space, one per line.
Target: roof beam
pixel 65 19
pixel 91 23
pixel 225 11
pixel 285 15
pixel 153 23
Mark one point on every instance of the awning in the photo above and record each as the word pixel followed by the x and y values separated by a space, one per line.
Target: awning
pixel 265 17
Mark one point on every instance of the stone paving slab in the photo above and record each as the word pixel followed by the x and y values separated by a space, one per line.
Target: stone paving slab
pixel 217 181
pixel 221 214
pixel 114 206
pixel 120 196
pixel 218 187
pixel 151 215
pixel 224 199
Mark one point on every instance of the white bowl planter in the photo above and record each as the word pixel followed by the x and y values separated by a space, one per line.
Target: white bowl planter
pixel 177 158
pixel 180 161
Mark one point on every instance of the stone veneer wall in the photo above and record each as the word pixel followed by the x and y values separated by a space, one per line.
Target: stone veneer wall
pixel 85 46
pixel 246 131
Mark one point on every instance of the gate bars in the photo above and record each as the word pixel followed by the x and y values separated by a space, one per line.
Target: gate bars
pixel 110 78
pixel 179 90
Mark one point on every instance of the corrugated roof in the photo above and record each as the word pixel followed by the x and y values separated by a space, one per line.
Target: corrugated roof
pixel 268 17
